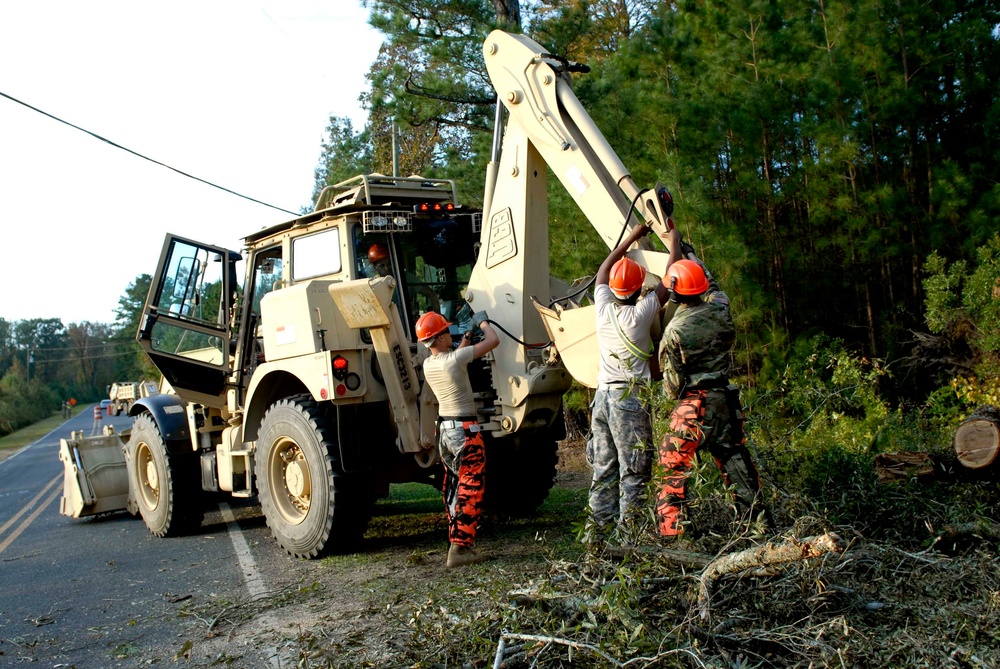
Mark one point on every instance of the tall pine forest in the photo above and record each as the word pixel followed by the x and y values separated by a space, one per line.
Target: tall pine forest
pixel 834 163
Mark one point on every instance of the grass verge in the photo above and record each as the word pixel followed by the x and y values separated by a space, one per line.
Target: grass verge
pixel 15 441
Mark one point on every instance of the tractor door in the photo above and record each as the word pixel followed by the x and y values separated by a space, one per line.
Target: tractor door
pixel 185 323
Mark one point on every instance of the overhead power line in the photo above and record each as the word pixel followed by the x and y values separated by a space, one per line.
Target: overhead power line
pixel 136 153
pixel 82 356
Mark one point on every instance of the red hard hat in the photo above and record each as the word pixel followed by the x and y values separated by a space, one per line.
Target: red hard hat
pixel 626 277
pixel 377 252
pixel 691 279
pixel 430 325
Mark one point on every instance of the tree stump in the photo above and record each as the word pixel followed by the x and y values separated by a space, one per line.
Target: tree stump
pixel 902 466
pixel 977 440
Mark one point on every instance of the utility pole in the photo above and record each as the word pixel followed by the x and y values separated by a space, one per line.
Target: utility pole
pixel 395 150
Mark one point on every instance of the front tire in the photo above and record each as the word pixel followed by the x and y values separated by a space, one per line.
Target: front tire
pixel 310 504
pixel 166 488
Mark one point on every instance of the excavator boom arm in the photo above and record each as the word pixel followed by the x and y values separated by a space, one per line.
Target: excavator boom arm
pixel 547 128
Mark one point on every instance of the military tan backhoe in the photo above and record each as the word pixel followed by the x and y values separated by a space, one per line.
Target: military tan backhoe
pixel 302 385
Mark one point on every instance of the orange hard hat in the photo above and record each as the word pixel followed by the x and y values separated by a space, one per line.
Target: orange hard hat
pixel 377 252
pixel 430 325
pixel 691 279
pixel 626 277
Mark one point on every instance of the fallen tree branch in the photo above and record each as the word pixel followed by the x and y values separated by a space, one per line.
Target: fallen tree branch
pixel 981 529
pixel 570 604
pixel 211 624
pixel 672 555
pixel 760 556
pixel 577 645
pixel 550 599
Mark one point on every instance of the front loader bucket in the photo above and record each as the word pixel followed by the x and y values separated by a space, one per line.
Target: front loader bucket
pixel 574 334
pixel 95 479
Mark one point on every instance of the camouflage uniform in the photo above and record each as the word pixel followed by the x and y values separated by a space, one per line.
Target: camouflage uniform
pixel 464 456
pixel 695 359
pixel 460 443
pixel 621 436
pixel 620 452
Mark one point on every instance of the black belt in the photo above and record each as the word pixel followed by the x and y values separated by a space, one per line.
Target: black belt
pixel 458 418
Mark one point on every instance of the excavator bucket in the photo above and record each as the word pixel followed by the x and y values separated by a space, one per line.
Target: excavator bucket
pixel 574 334
pixel 95 479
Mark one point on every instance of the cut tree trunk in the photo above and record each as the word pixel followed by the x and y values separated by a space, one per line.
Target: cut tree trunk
pixel 977 439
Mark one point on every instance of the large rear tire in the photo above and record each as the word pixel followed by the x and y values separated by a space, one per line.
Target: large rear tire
pixel 520 473
pixel 311 505
pixel 167 488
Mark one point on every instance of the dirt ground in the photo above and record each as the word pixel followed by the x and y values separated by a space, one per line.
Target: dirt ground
pixel 362 609
pixel 393 604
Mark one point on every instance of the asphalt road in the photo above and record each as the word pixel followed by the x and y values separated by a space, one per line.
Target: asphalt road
pixel 102 591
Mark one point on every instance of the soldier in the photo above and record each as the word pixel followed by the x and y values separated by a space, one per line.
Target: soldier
pixel 695 359
pixel 378 257
pixel 621 438
pixel 460 442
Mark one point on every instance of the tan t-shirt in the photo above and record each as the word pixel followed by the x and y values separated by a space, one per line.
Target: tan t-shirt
pixel 449 379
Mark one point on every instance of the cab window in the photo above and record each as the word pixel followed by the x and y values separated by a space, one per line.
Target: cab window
pixel 315 255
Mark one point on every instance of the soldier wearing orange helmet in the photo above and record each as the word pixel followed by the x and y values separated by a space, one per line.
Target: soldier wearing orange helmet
pixel 378 253
pixel 381 262
pixel 695 359
pixel 620 445
pixel 460 442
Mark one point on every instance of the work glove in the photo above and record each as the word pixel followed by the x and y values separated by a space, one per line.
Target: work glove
pixel 479 317
pixel 686 249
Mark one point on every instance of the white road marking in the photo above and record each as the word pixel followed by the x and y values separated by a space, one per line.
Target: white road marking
pixel 248 566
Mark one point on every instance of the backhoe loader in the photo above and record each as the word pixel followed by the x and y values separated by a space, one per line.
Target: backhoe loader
pixel 301 386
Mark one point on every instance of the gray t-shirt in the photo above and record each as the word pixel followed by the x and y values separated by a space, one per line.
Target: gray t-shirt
pixel 617 362
pixel 449 379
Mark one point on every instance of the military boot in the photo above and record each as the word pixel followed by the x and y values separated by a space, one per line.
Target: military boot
pixel 463 555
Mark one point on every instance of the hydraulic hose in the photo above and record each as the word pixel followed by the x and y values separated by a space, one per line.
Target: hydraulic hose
pixel 621 236
pixel 522 343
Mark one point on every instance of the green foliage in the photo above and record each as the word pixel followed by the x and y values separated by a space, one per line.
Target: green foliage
pixel 962 307
pixel 981 297
pixel 344 154
pixel 818 427
pixel 942 293
pixel 44 362
pixel 23 402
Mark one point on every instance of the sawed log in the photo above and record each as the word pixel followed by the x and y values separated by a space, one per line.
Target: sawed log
pixel 977 439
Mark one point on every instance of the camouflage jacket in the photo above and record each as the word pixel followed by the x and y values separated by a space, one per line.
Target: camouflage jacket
pixel 694 350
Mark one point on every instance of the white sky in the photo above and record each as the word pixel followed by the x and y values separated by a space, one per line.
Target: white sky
pixel 236 92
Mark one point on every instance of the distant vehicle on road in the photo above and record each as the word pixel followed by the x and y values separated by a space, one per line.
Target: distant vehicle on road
pixel 122 394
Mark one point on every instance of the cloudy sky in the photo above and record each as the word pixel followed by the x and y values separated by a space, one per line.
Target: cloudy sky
pixel 238 93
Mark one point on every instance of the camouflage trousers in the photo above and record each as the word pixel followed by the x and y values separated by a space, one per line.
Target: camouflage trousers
pixel 620 452
pixel 463 454
pixel 702 420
